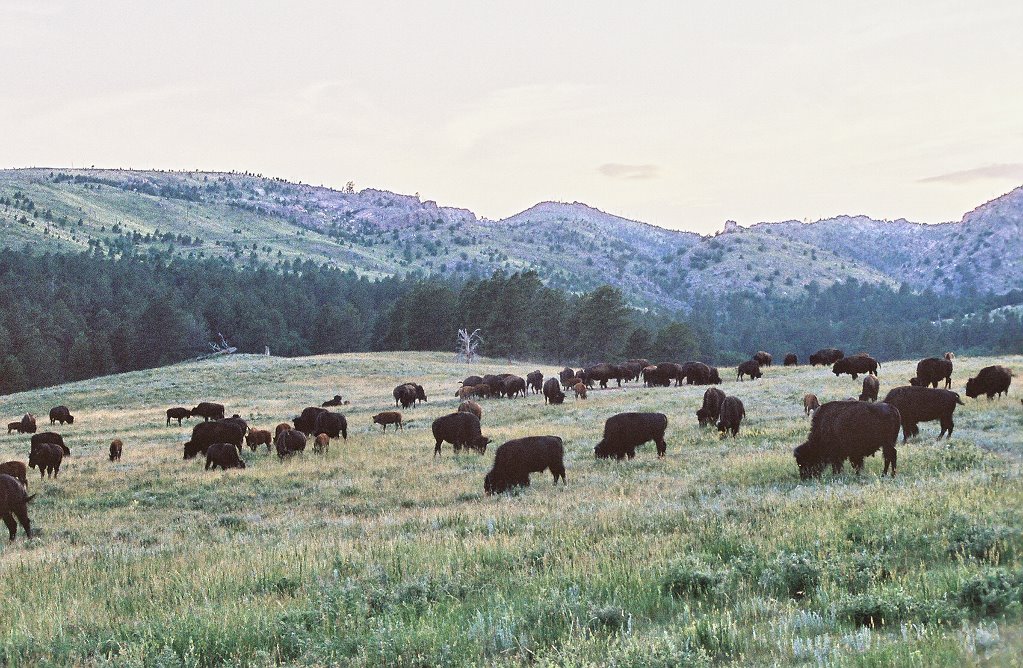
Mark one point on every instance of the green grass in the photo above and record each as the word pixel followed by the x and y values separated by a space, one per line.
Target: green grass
pixel 379 554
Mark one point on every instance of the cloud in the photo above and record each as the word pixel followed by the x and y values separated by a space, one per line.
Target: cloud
pixel 1012 171
pixel 617 170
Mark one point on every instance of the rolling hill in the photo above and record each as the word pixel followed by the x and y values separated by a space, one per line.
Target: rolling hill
pixel 572 246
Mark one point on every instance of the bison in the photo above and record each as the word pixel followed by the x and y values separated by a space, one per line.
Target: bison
pixel 552 392
pixel 16 470
pixel 534 380
pixel 602 373
pixel 564 375
pixel 791 359
pixel 950 356
pixel 932 371
pixel 14 427
pixel 289 442
pixel 513 386
pixel 206 434
pixel 26 425
pixel 62 415
pixel 258 437
pixel 321 444
pixel 178 413
pixel 871 386
pixel 662 374
pixel 732 413
pixel 224 455
pixel 580 390
pixel 763 359
pixel 116 448
pixel 305 422
pixel 749 368
pixel 473 380
pixel 711 409
pixel 474 408
pixel 237 421
pixel 405 394
pixel 850 430
pixel 991 380
pixel 394 417
pixel 519 457
pixel 923 404
pixel 283 426
pixel 810 403
pixel 208 410
pixel 50 437
pixel 826 356
pixel 624 432
pixel 14 500
pixel 331 424
pixel 47 458
pixel 856 365
pixel 698 373
pixel 460 430
pixel 336 401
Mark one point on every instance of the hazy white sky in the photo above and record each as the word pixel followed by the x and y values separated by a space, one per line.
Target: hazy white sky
pixel 680 114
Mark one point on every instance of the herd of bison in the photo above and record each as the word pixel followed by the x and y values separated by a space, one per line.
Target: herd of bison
pixel 850 429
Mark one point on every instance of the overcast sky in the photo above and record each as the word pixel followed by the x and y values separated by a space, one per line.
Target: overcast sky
pixel 680 114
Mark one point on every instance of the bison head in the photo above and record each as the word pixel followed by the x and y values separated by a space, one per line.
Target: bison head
pixel 420 393
pixel 973 388
pixel 808 460
pixel 479 444
pixel 191 450
pixel 703 416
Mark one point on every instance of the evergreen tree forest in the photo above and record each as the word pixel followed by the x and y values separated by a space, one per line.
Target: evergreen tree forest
pixel 71 317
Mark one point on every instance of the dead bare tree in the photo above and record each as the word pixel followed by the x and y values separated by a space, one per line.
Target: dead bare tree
pixel 222 347
pixel 468 345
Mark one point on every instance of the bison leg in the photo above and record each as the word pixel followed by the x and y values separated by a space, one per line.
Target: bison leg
pixel 836 467
pixel 559 472
pixel 947 425
pixel 12 525
pixel 857 465
pixel 890 457
pixel 662 447
pixel 436 448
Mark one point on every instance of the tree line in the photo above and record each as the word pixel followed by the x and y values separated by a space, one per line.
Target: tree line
pixel 66 317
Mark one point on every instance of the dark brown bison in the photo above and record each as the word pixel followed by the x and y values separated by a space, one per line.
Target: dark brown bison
pixel 258 437
pixel 662 374
pixel 47 458
pixel 990 381
pixel 208 410
pixel 461 430
pixel 871 386
pixel 932 371
pixel 810 403
pixel 749 368
pixel 643 363
pixel 305 422
pixel 850 430
pixel 26 425
pixel 178 413
pixel 116 448
pixel 321 444
pixel 855 365
pixel 14 502
pixel 564 375
pixel 763 359
pixel 14 427
pixel 17 470
pixel 336 401
pixel 791 360
pixel 473 380
pixel 631 370
pixel 552 392
pixel 206 434
pixel 394 417
pixel 224 455
pixel 584 376
pixel 698 373
pixel 283 426
pixel 923 404
pixel 289 442
pixel 408 394
pixel 516 459
pixel 475 408
pixel 331 424
pixel 603 373
pixel 624 432
pixel 237 421
pixel 62 415
pixel 534 380
pixel 513 386
pixel 50 437
pixel 732 413
pixel 711 409
pixel 826 356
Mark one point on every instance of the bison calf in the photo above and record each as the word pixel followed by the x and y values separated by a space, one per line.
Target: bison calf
pixel 116 446
pixel 321 444
pixel 224 455
pixel 580 390
pixel 178 413
pixel 810 403
pixel 394 417
pixel 14 502
pixel 517 458
pixel 624 432
pixel 258 437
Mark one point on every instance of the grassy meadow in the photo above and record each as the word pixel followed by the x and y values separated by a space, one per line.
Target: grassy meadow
pixel 380 554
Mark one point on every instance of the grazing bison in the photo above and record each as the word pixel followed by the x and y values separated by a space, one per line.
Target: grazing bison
pixel 711 409
pixel 289 442
pixel 16 470
pixel 602 373
pixel 624 432
pixel 237 421
pixel 810 403
pixel 991 380
pixel 580 390
pixel 47 458
pixel 826 356
pixel 321 444
pixel 209 411
pixel 206 434
pixel 116 448
pixel 407 394
pixel 14 501
pixel 394 417
pixel 258 437
pixel 871 386
pixel 513 386
pixel 855 365
pixel 224 455
pixel 473 380
pixel 950 356
pixel 698 373
pixel 749 368
pixel 763 359
pixel 461 430
pixel 178 413
pixel 50 437
pixel 791 360
pixel 519 457
pixel 475 408
pixel 534 380
pixel 552 392
pixel 850 430
pixel 283 426
pixel 732 413
pixel 336 401
pixel 62 415
pixel 662 374
pixel 932 371
pixel 331 424
pixel 306 421
pixel 26 425
pixel 923 404
pixel 564 375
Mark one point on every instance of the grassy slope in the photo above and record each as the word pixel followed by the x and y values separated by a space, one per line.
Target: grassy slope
pixel 379 554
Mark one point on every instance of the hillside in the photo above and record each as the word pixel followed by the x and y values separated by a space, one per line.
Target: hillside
pixel 572 246
pixel 381 554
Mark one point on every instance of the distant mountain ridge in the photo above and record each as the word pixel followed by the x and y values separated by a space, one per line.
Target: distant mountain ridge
pixel 571 245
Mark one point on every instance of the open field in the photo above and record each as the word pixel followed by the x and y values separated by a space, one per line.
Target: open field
pixel 379 554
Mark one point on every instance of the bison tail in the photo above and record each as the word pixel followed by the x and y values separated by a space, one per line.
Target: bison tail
pixel 28 499
pixel 959 400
